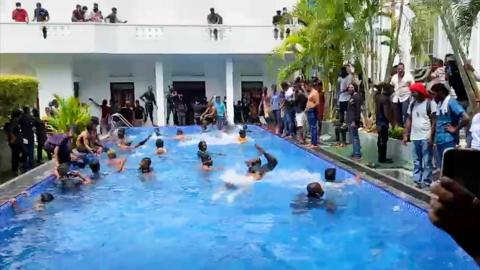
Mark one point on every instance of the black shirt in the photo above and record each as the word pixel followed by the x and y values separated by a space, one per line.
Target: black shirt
pixel 300 102
pixel 139 112
pixel 149 97
pixel 40 131
pixel 382 103
pixel 27 123
pixel 127 113
pixel 64 150
pixel 277 19
pixel 40 14
pixel 354 109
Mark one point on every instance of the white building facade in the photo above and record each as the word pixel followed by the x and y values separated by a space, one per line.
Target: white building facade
pixel 164 43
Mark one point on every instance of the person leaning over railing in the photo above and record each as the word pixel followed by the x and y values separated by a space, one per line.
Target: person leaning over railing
pixel 19 14
pixel 113 18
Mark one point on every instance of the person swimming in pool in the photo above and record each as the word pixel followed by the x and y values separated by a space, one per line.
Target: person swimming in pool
pixel 39 205
pixel 255 168
pixel 242 136
pixel 180 135
pixel 314 199
pixel 161 150
pixel 69 178
pixel 114 161
pixel 206 157
pixel 125 144
pixel 145 167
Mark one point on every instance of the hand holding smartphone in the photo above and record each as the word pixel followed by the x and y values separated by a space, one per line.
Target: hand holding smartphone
pixel 463 166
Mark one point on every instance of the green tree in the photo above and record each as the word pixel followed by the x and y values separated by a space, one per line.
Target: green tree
pixel 16 91
pixel 70 113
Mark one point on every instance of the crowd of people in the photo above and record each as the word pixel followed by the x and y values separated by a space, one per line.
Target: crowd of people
pixel 79 14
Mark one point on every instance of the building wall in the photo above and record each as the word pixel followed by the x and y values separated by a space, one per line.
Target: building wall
pixel 94 74
pixel 55 74
pixel 244 12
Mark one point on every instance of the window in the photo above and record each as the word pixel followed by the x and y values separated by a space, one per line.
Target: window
pixel 421 62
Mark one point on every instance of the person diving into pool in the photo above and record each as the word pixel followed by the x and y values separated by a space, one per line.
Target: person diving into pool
pixel 255 168
pixel 240 183
pixel 125 144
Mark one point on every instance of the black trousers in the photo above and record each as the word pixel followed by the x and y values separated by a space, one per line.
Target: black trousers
pixel 40 153
pixel 382 143
pixel 342 111
pixel 169 111
pixel 340 134
pixel 148 112
pixel 19 154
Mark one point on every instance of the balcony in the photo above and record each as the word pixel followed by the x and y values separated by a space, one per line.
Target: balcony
pixel 74 38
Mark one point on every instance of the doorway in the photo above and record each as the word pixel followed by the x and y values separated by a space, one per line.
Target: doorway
pixel 191 92
pixel 121 92
pixel 251 97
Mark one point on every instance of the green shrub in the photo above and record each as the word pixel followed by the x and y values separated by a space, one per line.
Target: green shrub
pixel 396 133
pixel 16 91
pixel 70 112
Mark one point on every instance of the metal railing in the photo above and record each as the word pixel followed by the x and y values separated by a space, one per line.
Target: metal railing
pixel 115 123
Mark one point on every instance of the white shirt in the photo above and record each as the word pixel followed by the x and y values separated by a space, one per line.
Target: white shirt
pixel 289 94
pixel 402 87
pixel 344 96
pixel 475 130
pixel 421 125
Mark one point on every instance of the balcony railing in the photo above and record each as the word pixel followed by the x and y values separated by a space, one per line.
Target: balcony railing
pixel 137 39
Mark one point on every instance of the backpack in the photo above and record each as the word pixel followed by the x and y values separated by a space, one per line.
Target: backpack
pixel 54 141
pixel 429 107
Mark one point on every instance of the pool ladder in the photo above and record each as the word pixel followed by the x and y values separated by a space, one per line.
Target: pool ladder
pixel 119 118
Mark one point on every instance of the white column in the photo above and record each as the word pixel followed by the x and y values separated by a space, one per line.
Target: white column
pixel 160 95
pixel 229 88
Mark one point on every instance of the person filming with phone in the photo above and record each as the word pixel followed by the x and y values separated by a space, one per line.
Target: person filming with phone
pixel 455 204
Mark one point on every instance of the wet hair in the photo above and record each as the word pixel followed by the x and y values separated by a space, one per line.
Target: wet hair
pixel 159 143
pixel 46 197
pixel 202 145
pixel 146 161
pixel 315 190
pixel 242 133
pixel 121 133
pixel 111 154
pixel 179 131
pixel 94 120
pixel 95 165
pixel 330 174
pixel 440 87
pixel 91 126
pixel 63 169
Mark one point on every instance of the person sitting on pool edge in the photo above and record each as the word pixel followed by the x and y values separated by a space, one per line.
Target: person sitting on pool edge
pixel 145 166
pixel 180 136
pixel 70 179
pixel 39 205
pixel 86 139
pixel 242 136
pixel 126 145
pixel 114 161
pixel 255 168
pixel 160 147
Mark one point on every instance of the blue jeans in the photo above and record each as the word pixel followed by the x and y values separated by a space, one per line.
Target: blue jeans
pixel 355 141
pixel 220 120
pixel 422 164
pixel 290 121
pixel 441 148
pixel 312 122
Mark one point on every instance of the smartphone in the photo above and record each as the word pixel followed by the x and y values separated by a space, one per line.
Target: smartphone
pixel 463 166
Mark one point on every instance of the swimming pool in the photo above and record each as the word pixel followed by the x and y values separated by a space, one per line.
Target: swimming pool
pixel 182 220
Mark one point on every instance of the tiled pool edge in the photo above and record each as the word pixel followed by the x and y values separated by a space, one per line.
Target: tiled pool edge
pixel 410 194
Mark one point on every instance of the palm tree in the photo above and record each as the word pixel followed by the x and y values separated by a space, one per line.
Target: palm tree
pixel 456 17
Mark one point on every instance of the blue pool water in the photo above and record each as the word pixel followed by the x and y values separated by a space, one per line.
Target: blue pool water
pixel 180 219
